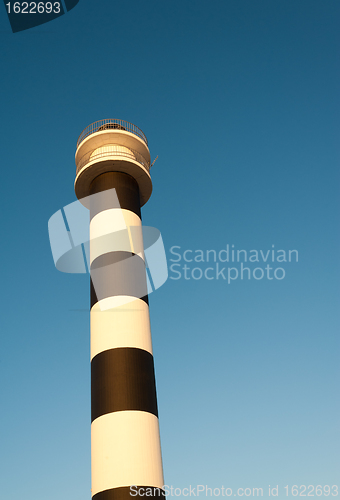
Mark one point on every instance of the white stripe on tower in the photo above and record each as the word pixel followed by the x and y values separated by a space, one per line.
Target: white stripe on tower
pixel 125 442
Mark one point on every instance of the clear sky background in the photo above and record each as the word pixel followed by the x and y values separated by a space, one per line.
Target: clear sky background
pixel 240 101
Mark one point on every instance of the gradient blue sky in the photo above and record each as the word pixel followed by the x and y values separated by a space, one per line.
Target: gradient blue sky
pixel 240 101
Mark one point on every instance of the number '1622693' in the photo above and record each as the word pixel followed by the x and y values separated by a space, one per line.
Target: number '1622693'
pixel 33 7
pixel 311 491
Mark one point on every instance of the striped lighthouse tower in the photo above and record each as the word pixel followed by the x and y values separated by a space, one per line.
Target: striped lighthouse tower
pixel 113 162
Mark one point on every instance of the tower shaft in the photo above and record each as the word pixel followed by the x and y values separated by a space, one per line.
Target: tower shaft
pixel 124 430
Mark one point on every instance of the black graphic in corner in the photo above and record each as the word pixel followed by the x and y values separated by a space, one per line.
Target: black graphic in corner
pixel 26 15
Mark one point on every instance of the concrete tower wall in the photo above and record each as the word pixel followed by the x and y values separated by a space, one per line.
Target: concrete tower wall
pixel 124 431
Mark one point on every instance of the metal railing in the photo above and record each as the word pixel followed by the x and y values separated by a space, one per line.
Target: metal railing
pixel 111 123
pixel 134 155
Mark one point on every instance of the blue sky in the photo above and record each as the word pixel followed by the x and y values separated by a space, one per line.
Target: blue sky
pixel 240 101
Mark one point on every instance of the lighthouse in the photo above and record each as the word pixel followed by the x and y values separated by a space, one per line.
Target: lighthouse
pixel 113 176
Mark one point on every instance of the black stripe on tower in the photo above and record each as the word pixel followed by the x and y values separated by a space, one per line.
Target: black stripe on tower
pixel 126 188
pixel 122 379
pixel 127 493
pixel 118 273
